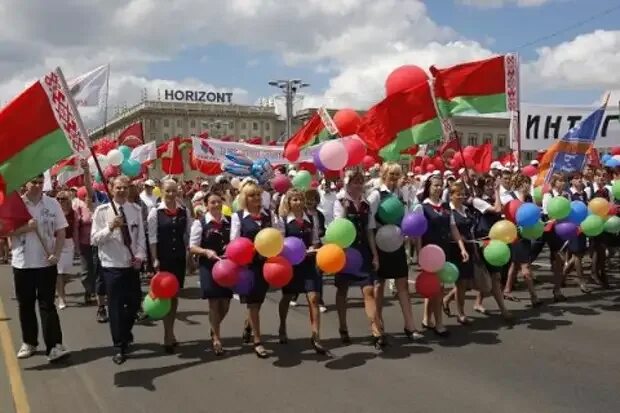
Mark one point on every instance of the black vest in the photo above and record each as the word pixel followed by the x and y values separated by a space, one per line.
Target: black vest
pixel 302 231
pixel 359 218
pixel 171 234
pixel 214 237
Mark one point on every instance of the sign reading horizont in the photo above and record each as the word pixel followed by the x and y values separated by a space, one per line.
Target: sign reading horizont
pixel 198 96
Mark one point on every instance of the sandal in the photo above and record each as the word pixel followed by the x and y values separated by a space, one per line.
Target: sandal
pixel 260 351
pixel 480 309
pixel 218 350
pixel 379 342
pixel 283 339
pixel 413 335
pixel 463 320
pixel 536 303
pixel 446 309
pixel 559 298
pixel 316 345
pixel 344 337
pixel 510 297
pixel 585 289
pixel 508 317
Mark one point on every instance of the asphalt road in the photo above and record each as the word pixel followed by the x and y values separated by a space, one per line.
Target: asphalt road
pixel 558 358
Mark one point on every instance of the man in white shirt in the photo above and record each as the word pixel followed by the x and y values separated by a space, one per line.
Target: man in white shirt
pixel 122 250
pixel 328 198
pixel 36 247
pixel 147 196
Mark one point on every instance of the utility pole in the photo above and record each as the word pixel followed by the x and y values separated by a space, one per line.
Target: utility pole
pixel 289 88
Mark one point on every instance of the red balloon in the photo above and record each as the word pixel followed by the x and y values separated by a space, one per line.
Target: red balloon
pixel 529 170
pixel 417 170
pixel 427 284
pixel 613 210
pixel 347 121
pixel 307 166
pixel 278 272
pixel 403 78
pixel 430 168
pixel 99 186
pixel 111 171
pixel 314 184
pixel 356 149
pixel 164 285
pixel 240 251
pixel 226 273
pixel 438 162
pixel 291 152
pixel 368 162
pixel 281 183
pixel 82 193
pixel 615 151
pixel 510 210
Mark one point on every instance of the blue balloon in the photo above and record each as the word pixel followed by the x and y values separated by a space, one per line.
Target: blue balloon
pixel 612 163
pixel 605 157
pixel 578 212
pixel 528 214
pixel 238 158
pixel 131 168
pixel 237 170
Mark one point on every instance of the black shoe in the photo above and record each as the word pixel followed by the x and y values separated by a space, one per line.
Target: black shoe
pixel 102 314
pixel 344 337
pixel 119 358
pixel 380 342
pixel 316 345
pixel 246 336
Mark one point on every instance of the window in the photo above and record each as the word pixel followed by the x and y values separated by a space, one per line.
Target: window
pixel 501 141
pixel 153 123
pixel 218 125
pixel 166 123
pixel 179 123
pixel 243 125
pixel 231 124
pixel 267 126
pixel 255 125
pixel 243 136
pixel 166 136
pixel 472 139
pixel 487 138
pixel 267 138
pixel 153 137
pixel 192 123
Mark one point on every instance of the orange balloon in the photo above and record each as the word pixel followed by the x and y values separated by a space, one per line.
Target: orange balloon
pixel 599 206
pixel 330 258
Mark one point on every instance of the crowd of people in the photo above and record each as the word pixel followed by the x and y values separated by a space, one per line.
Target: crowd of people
pixel 184 228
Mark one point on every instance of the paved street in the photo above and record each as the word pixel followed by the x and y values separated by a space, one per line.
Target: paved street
pixel 559 358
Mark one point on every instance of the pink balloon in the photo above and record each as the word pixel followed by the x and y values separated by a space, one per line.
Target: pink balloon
pixel 403 78
pixel 356 150
pixel 432 258
pixel 530 170
pixel 333 155
pixel 226 273
pixel 281 183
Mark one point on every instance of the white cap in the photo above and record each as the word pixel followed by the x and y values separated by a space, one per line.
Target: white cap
pixel 534 162
pixel 198 196
pixel 515 169
pixel 149 182
pixel 496 165
pixel 447 174
pixel 436 172
pixel 206 183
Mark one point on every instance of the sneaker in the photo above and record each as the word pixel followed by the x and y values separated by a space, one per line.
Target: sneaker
pixel 57 353
pixel 25 351
pixel 322 308
pixel 293 303
pixel 102 315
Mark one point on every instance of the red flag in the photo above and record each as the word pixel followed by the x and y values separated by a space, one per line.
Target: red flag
pixel 132 136
pixel 507 159
pixel 206 167
pixel 13 214
pixel 482 158
pixel 307 132
pixel 171 158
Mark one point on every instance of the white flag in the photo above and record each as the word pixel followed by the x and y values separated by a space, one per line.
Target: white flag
pixel 144 153
pixel 88 89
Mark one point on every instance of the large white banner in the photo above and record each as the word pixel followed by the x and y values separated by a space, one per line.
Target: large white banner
pixel 542 125
pixel 215 150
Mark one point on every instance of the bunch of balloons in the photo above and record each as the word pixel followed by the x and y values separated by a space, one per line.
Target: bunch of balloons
pixel 115 162
pixel 435 270
pixel 611 160
pixel 336 255
pixel 164 286
pixel 241 165
pixel 337 154
pixel 601 218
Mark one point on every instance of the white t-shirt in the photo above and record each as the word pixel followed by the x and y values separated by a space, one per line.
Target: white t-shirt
pixel 149 200
pixel 26 248
pixel 481 205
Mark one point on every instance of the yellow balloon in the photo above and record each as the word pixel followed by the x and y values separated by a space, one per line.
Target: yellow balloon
pixel 504 231
pixel 226 210
pixel 599 206
pixel 157 191
pixel 269 242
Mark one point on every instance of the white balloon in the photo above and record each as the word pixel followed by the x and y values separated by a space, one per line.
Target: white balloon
pixel 91 164
pixel 389 238
pixel 333 155
pixel 103 161
pixel 115 157
pixel 235 182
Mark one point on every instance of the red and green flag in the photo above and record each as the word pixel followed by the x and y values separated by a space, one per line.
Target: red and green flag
pixel 38 128
pixel 320 127
pixel 484 86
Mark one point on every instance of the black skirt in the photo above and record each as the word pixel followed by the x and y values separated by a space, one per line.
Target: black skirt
pixel 306 278
pixel 211 289
pixel 259 287
pixel 466 269
pixel 176 266
pixel 393 265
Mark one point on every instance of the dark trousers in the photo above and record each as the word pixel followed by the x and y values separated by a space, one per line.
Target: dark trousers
pixel 32 285
pixel 88 255
pixel 123 291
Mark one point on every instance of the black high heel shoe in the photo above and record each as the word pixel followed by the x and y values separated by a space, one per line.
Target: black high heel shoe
pixel 380 342
pixel 344 337
pixel 316 345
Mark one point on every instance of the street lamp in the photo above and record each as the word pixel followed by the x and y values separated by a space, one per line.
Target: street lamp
pixel 289 88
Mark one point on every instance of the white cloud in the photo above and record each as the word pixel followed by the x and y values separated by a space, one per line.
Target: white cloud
pixel 494 4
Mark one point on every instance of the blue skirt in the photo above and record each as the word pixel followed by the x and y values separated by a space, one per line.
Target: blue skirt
pixel 521 251
pixel 260 287
pixel 211 289
pixel 306 278
pixel 578 245
pixel 466 269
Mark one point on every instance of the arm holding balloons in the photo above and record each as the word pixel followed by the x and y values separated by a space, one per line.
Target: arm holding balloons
pixel 195 239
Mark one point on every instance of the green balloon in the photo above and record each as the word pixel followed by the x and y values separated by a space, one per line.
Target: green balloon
pixel 558 208
pixel 592 226
pixel 341 232
pixel 156 308
pixel 235 204
pixel 302 180
pixel 615 189
pixel 538 195
pixel 496 253
pixel 612 225
pixel 534 232
pixel 449 273
pixel 391 210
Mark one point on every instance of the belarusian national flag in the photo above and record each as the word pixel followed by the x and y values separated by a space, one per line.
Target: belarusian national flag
pixel 313 131
pixel 484 86
pixel 38 128
pixel 67 170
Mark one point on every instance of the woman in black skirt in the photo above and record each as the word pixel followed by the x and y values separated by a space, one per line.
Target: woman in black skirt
pixel 209 236
pixel 577 247
pixel 391 265
pixel 168 229
pixel 295 222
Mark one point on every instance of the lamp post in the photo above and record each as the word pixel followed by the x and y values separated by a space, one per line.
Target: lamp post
pixel 289 88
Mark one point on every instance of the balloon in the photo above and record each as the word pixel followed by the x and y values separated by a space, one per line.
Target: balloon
pixel 414 225
pixel 432 258
pixel 592 226
pixel 599 206
pixel 347 121
pixel 292 152
pixel 126 151
pixel 302 180
pixel 341 232
pixel 605 157
pixel 245 283
pixel 156 308
pixel 615 150
pixel 529 170
pixel 528 214
pixel 226 273
pixel 389 238
pixel 356 150
pixel 82 193
pixel 403 78
pixel 578 212
pixel 504 231
pixel 333 155
pixel 164 285
pixel 235 204
pixel 294 250
pixel 269 242
pixel 537 195
pixel 330 258
pixel 566 230
pixel 558 207
pixel 368 162
pixel 131 168
pixel 281 183
pixel 427 284
pixel 511 209
pixel 156 192
pixel 115 157
pixel 533 232
pixel 612 225
pixel 449 273
pixel 111 171
pixel 496 253
pixel 354 261
pixel 391 210
pixel 278 272
pixel 226 210
pixel 615 189
pixel 240 251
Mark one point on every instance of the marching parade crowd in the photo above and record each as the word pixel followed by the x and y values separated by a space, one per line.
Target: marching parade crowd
pixel 184 227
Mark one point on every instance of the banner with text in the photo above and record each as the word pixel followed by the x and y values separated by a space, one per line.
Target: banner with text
pixel 543 125
pixel 215 150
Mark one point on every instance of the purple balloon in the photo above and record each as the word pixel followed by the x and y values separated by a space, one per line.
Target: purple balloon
pixel 353 264
pixel 294 250
pixel 246 282
pixel 317 161
pixel 566 230
pixel 414 225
